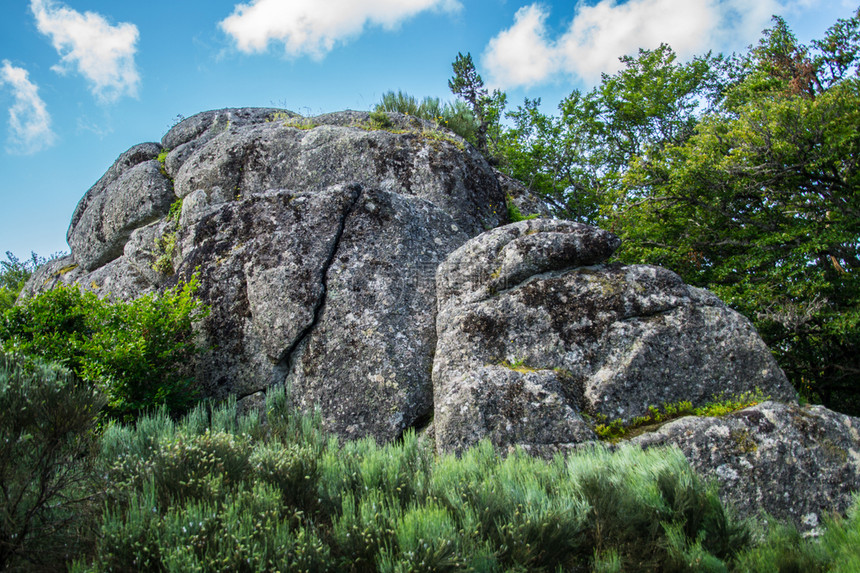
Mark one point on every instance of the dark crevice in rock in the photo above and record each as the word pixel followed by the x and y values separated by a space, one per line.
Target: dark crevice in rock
pixel 285 364
pixel 420 423
pixel 241 396
pixel 645 315
pixel 500 287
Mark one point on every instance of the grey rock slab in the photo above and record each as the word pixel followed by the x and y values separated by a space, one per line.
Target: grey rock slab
pixel 506 256
pixel 135 155
pixel 262 263
pixel 61 271
pixel 137 197
pixel 116 280
pixel 189 134
pixel 619 338
pixel 278 155
pixel 795 463
pixel 510 407
pixel 367 361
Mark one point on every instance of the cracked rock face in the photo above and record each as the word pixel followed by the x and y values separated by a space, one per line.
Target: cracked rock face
pixel 316 241
pixel 797 464
pixel 527 314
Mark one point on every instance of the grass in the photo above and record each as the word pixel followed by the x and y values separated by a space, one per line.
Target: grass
pixel 271 491
pixel 287 120
pixel 720 405
pixel 381 121
pixel 517 365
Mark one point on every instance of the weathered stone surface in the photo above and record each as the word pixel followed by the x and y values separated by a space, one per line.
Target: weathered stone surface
pixel 500 259
pixel 795 463
pixel 368 361
pixel 135 155
pixel 510 406
pixel 343 148
pixel 262 263
pixel 117 280
pixel 61 271
pixel 525 200
pixel 530 297
pixel 138 196
pixel 189 134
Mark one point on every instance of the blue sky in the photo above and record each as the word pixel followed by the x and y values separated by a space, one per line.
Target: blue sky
pixel 81 81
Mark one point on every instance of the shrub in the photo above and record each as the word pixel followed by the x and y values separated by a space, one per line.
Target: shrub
pixel 216 491
pixel 14 274
pixel 455 115
pixel 47 446
pixel 514 213
pixel 137 353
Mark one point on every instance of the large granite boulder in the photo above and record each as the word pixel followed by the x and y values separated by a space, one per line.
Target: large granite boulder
pixel 316 241
pixel 534 333
pixel 796 464
pixel 133 193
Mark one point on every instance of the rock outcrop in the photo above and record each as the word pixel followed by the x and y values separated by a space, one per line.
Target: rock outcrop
pixel 796 464
pixel 316 241
pixel 367 265
pixel 534 332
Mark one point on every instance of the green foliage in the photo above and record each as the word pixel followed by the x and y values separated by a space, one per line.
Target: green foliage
pixel 783 549
pixel 454 116
pixel 47 439
pixel 428 108
pixel 175 210
pixel 514 213
pixel 137 353
pixel 841 540
pixel 576 161
pixel 760 205
pixel 379 120
pixel 238 494
pixel 165 247
pixel 485 108
pixel 720 405
pixel 14 273
pixel 162 159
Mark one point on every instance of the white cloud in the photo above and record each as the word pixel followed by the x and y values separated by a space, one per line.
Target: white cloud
pixel 600 33
pixel 29 121
pixel 313 27
pixel 88 43
pixel 522 55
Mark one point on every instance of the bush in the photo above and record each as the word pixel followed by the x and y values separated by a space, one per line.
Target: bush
pixel 47 446
pixel 14 273
pixel 137 353
pixel 216 491
pixel 455 115
pixel 243 493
